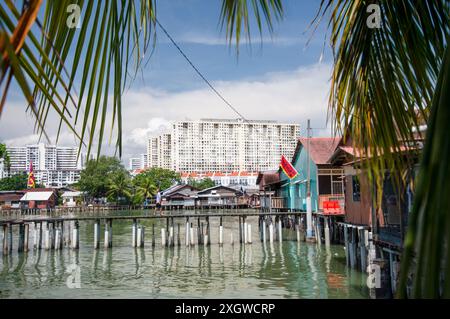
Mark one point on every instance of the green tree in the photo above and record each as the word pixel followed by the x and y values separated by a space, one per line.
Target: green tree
pixel 15 182
pixel 160 177
pixel 4 155
pixel 119 187
pixel 202 184
pixel 95 178
pixel 145 187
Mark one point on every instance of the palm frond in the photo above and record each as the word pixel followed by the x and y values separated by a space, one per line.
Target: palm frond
pixel 383 78
pixel 110 44
pixel 235 17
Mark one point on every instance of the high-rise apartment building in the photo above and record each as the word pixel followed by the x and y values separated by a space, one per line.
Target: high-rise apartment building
pixel 52 165
pixel 139 162
pixel 159 151
pixel 226 145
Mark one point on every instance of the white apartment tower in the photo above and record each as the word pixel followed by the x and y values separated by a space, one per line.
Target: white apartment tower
pixel 159 151
pixel 52 165
pixel 210 145
pixel 136 163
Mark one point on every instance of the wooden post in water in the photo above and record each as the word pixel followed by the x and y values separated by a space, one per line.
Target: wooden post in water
pixel 327 232
pixel 47 244
pixel 240 230
pixel 270 231
pixel 249 233
pixel 280 230
pixel 220 232
pixel 208 231
pixel 110 244
pixel 171 233
pixel 244 219
pixel 178 235
pixel 26 237
pixel 97 234
pixel 186 232
pixel 153 235
pixel 140 236
pixel 192 234
pixel 264 229
pixel 199 231
pixel 347 250
pixel 61 241
pixel 57 233
pixel 297 227
pixel 5 239
pixel 10 238
pixel 163 237
pixel 75 236
pixel 21 238
pixel 133 233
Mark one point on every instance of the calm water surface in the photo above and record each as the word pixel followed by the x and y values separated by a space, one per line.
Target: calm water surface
pixel 281 270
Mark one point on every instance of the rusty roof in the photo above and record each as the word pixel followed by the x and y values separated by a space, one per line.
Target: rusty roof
pixel 320 148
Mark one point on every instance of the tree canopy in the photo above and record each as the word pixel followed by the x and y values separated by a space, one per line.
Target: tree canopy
pixel 160 177
pixel 96 178
pixel 15 182
pixel 202 184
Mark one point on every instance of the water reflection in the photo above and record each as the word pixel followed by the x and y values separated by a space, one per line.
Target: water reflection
pixel 277 270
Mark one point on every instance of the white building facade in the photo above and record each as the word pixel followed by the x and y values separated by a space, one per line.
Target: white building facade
pixel 139 162
pixel 159 151
pixel 221 145
pixel 53 166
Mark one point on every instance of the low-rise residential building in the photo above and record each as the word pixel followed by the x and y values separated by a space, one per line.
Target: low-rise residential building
pixel 42 198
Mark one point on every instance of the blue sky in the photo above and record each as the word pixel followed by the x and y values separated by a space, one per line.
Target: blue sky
pixel 280 79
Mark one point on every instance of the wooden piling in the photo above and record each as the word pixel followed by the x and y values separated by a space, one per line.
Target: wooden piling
pixel 134 233
pixel 21 238
pixel 75 236
pixel 263 229
pixel 153 235
pixel 271 231
pixel 163 237
pixel 97 234
pixel 140 236
pixel 220 232
pixel 5 239
pixel 280 230
pixel 26 237
pixel 327 232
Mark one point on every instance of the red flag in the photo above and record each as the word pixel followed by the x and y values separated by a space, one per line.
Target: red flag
pixel 31 179
pixel 287 168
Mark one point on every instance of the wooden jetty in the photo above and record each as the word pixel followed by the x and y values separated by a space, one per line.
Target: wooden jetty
pixel 55 233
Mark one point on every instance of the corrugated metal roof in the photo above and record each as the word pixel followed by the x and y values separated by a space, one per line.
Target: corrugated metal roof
pixel 71 194
pixel 38 196
pixel 320 148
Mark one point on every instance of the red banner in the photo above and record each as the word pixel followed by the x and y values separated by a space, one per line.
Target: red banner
pixel 287 168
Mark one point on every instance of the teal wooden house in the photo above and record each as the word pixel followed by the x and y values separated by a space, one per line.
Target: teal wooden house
pixel 326 180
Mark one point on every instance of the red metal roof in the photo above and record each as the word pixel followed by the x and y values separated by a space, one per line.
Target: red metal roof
pixel 320 148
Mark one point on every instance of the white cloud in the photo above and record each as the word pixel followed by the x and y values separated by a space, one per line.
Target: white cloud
pixel 285 96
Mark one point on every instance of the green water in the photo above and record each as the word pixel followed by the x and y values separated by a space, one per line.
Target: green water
pixel 279 270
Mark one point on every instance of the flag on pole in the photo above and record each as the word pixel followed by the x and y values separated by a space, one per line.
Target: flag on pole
pixel 31 179
pixel 287 168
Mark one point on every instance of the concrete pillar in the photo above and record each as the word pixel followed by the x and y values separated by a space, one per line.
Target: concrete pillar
pixel 163 237
pixel 249 233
